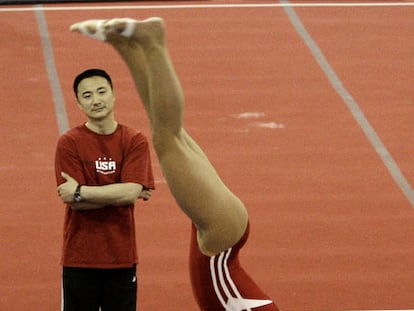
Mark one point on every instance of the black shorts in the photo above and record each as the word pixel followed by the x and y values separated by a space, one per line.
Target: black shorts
pixel 86 289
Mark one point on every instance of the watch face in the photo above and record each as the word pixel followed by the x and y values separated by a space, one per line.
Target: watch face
pixel 76 196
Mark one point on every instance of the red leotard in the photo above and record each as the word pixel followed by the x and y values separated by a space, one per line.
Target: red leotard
pixel 220 283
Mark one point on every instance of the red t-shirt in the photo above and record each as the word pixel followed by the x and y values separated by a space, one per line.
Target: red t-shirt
pixel 102 238
pixel 220 283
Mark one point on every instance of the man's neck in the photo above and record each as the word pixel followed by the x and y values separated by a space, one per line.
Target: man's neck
pixel 104 127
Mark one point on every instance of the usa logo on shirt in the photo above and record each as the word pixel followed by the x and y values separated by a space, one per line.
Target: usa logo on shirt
pixel 105 166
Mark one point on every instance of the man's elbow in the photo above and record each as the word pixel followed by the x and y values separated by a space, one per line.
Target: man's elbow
pixel 132 194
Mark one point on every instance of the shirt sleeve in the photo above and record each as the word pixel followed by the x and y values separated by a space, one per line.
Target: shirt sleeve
pixel 67 160
pixel 137 166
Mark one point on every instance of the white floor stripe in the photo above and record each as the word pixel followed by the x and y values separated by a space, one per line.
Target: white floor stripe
pixel 352 105
pixel 203 6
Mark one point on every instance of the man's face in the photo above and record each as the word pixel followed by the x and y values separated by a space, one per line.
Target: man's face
pixel 96 98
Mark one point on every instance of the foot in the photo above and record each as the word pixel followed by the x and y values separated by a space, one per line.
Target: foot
pixel 109 30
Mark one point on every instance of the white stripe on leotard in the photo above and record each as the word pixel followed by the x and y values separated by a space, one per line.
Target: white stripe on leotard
pixel 220 276
pixel 214 280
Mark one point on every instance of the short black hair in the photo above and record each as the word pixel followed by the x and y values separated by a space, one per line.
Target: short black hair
pixel 90 73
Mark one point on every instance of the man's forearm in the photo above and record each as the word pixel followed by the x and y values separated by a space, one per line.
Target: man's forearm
pixel 114 194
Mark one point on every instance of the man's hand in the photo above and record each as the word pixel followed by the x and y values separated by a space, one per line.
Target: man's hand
pixel 145 194
pixel 67 189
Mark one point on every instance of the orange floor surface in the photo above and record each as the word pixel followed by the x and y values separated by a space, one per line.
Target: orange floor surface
pixel 331 228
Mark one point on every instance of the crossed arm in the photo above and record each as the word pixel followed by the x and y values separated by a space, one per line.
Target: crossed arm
pixel 95 197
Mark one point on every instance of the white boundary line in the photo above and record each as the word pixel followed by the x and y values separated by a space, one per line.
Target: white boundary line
pixel 204 6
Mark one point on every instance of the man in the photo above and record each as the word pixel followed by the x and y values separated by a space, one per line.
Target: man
pixel 102 167
pixel 220 220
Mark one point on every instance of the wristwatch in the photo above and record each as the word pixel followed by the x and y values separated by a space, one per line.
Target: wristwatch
pixel 76 196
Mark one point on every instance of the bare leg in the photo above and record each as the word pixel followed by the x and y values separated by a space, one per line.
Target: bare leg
pixel 220 217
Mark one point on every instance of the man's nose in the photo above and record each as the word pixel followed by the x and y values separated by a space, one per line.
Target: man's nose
pixel 95 100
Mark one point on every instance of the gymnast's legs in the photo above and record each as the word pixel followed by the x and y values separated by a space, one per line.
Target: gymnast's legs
pixel 219 216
